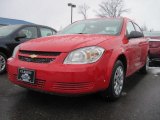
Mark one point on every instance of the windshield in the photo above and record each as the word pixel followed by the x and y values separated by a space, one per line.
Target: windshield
pixel 102 26
pixel 6 30
pixel 152 34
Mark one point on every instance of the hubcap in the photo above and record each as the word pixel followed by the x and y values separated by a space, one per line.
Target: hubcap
pixel 118 80
pixel 2 63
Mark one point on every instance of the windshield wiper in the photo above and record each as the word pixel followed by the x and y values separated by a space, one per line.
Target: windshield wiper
pixel 81 33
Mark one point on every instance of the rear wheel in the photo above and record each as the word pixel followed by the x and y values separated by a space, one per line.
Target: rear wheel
pixel 116 83
pixel 3 62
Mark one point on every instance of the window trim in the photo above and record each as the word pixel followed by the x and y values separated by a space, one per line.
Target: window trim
pixel 137 26
pixel 52 30
pixel 127 26
pixel 29 27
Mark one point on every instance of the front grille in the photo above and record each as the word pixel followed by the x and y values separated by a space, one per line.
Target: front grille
pixel 72 86
pixel 40 53
pixel 39 83
pixel 35 60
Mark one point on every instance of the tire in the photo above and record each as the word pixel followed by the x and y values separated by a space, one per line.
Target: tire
pixel 145 68
pixel 3 62
pixel 117 79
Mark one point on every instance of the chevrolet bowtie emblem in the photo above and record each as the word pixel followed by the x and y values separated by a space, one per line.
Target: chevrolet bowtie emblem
pixel 33 56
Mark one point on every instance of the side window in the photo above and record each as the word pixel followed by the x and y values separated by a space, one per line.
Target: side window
pixel 30 32
pixel 46 32
pixel 137 28
pixel 130 28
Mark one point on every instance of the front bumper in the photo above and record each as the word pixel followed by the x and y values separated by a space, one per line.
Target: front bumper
pixel 60 78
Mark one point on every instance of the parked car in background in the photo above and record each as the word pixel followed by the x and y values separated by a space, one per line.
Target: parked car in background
pixel 152 34
pixel 1 25
pixel 13 35
pixel 88 56
pixel 154 44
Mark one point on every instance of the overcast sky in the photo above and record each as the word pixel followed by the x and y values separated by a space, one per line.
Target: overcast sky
pixel 56 13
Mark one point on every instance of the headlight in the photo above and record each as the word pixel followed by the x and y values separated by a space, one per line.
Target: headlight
pixel 84 55
pixel 15 51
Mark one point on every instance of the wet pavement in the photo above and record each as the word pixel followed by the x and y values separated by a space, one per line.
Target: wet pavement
pixel 140 101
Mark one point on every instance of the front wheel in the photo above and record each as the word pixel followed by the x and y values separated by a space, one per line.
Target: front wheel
pixel 3 62
pixel 116 83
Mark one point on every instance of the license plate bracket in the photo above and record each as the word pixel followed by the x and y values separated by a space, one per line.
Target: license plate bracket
pixel 26 75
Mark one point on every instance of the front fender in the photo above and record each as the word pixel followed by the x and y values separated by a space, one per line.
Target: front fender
pixel 113 58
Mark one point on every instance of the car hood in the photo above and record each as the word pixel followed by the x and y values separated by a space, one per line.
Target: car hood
pixel 63 43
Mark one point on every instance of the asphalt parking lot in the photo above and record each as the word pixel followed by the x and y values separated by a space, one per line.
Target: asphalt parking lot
pixel 140 101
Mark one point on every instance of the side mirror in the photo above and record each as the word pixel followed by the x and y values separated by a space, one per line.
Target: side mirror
pixel 19 36
pixel 135 34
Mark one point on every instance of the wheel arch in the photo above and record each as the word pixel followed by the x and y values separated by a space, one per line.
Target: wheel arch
pixel 123 59
pixel 114 57
pixel 5 51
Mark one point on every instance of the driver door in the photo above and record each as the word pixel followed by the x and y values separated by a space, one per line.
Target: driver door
pixel 133 50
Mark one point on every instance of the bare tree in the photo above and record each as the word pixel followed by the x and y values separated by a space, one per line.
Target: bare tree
pixel 151 30
pixel 83 10
pixel 144 28
pixel 112 8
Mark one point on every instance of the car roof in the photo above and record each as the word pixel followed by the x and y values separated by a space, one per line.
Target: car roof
pixel 102 18
pixel 123 18
pixel 36 25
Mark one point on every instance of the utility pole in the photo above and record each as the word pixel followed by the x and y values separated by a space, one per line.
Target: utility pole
pixel 72 6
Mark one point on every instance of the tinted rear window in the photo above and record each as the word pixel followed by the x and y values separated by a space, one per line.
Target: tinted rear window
pixel 6 30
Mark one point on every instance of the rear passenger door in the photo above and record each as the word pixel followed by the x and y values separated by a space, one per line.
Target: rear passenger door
pixel 133 49
pixel 46 31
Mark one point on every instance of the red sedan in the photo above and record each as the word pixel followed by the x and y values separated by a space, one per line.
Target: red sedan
pixel 88 56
